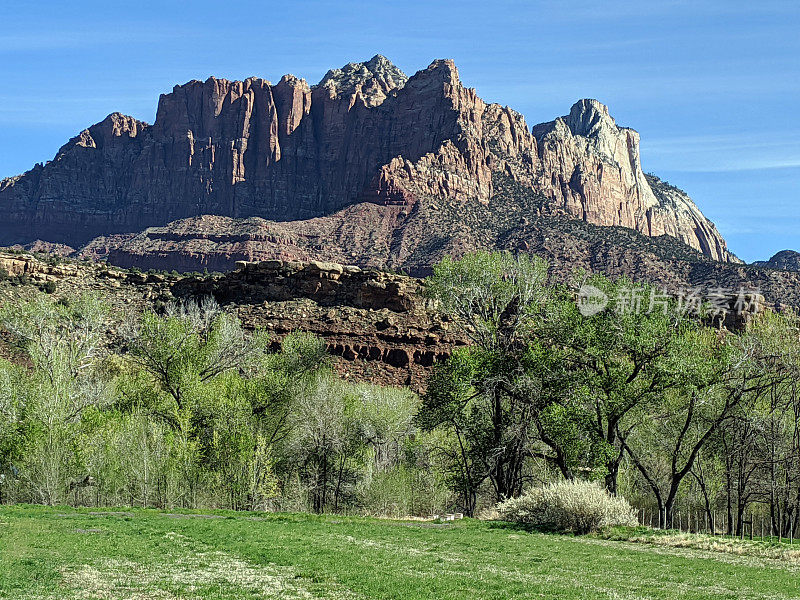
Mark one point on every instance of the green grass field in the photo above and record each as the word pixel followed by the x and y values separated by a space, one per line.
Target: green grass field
pixel 63 553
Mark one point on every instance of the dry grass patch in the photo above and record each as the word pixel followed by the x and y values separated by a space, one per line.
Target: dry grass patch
pixel 193 571
pixel 700 541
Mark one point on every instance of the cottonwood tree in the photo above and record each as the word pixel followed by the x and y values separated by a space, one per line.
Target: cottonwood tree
pixel 495 296
pixel 385 417
pixel 759 447
pixel 325 441
pixel 731 375
pixel 280 378
pixel 64 344
pixel 189 345
pixel 740 453
pixel 619 359
pixel 482 394
pixel 183 353
pixel 12 426
pixel 778 485
pixel 225 394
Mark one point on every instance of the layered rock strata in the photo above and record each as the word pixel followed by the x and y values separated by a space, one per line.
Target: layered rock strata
pixel 376 326
pixel 366 134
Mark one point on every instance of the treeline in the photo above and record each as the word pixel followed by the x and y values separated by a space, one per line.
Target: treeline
pixel 649 395
pixel 185 408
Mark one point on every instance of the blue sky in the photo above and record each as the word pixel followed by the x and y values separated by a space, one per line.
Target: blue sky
pixel 712 86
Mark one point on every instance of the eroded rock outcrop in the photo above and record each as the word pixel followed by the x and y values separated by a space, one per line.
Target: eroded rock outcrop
pixel 591 168
pixel 365 134
pixel 376 325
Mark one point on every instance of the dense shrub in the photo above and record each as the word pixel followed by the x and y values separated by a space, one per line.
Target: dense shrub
pixel 576 506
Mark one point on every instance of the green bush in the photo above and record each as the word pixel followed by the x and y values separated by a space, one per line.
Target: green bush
pixel 568 506
pixel 404 491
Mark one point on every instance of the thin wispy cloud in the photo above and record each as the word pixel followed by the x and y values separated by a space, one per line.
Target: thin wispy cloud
pixel 621 9
pixel 760 138
pixel 742 167
pixel 743 151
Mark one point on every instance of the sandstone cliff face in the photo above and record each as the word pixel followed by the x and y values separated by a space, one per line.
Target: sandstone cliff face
pixel 365 134
pixel 237 148
pixel 591 168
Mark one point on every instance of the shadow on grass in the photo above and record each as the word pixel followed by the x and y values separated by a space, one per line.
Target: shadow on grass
pixel 615 532
pixel 527 528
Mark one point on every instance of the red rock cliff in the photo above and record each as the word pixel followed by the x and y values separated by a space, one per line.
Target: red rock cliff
pixel 366 133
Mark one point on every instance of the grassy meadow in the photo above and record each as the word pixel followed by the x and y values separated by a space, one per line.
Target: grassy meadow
pixel 67 553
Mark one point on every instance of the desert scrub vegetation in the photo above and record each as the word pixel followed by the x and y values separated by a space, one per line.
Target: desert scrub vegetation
pixel 568 506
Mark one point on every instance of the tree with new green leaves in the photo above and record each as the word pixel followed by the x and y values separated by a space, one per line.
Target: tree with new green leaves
pixel 280 377
pixel 325 444
pixel 64 344
pixel 226 396
pixel 189 345
pixel 630 354
pixel 12 425
pixel 730 377
pixel 495 296
pixel 485 394
pixel 186 354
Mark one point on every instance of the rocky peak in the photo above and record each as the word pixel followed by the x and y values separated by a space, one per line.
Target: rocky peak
pixel 592 168
pixel 590 118
pixel 115 125
pixel 291 152
pixel 374 79
pixel 785 260
pixel 441 72
pixel 195 105
pixel 290 80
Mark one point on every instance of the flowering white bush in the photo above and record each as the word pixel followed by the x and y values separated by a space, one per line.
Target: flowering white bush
pixel 576 506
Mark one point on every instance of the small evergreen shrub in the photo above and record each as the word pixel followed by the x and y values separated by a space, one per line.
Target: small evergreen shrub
pixel 568 506
pixel 21 279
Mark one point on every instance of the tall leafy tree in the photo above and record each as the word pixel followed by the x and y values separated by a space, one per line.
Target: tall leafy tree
pixel 64 344
pixel 482 394
pixel 629 355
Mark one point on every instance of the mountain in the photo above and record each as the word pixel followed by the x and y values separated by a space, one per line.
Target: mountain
pixel 363 236
pixel 369 165
pixel 785 260
pixel 396 237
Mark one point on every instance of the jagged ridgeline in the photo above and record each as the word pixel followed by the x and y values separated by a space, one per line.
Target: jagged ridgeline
pixel 369 167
